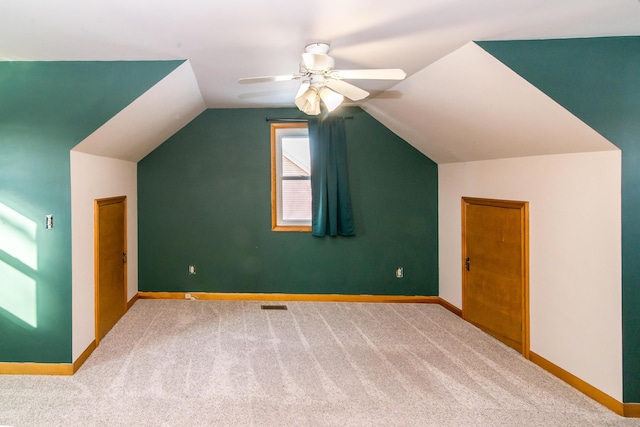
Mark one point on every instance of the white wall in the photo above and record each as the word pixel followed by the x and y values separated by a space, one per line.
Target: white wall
pixel 575 252
pixel 94 177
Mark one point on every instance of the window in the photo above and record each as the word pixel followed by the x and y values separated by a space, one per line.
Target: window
pixel 290 177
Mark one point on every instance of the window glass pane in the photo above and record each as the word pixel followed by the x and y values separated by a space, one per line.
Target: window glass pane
pixel 296 159
pixel 296 200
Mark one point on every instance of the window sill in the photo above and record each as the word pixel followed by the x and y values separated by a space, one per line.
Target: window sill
pixel 302 228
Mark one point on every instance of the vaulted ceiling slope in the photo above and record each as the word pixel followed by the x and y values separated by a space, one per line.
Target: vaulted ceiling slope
pixel 150 120
pixel 226 40
pixel 472 107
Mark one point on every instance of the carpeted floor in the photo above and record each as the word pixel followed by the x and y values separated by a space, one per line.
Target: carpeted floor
pixel 229 363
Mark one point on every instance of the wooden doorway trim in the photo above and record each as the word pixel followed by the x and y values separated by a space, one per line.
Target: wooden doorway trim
pixel 98 203
pixel 523 208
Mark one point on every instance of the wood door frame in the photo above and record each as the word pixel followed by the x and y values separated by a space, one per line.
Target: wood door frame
pixel 96 253
pixel 523 207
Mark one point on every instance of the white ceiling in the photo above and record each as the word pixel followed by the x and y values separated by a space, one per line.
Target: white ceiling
pixel 228 39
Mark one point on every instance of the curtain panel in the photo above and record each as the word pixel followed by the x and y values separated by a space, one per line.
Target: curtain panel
pixel 331 199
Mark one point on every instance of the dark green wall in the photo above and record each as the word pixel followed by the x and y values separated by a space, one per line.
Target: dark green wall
pixel 598 80
pixel 46 108
pixel 204 199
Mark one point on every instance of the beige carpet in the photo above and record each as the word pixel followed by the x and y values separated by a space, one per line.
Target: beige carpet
pixel 229 363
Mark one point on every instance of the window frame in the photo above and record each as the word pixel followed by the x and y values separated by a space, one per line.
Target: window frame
pixel 276 139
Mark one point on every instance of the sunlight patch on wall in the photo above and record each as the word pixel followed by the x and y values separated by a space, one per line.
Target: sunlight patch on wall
pixel 18 237
pixel 18 294
pixel 18 263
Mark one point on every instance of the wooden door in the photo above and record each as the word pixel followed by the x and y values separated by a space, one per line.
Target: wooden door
pixel 110 263
pixel 495 269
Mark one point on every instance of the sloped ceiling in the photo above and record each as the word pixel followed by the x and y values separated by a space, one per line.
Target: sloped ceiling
pixel 225 40
pixel 149 120
pixel 472 107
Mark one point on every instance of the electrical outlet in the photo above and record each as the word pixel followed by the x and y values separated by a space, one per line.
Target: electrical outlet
pixel 399 272
pixel 192 269
pixel 187 296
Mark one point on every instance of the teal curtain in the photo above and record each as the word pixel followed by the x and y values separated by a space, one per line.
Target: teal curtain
pixel 331 200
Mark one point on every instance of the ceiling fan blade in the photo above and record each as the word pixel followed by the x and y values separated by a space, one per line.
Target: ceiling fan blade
pixel 265 79
pixel 373 74
pixel 317 61
pixel 352 92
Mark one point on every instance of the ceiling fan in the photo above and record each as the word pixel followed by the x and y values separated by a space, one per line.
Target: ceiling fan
pixel 320 81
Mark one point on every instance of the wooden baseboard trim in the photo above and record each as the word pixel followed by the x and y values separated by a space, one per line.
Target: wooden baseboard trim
pixel 579 384
pixel 132 301
pixel 219 296
pixel 30 368
pixel 632 410
pixel 304 297
pixel 452 308
pixel 84 356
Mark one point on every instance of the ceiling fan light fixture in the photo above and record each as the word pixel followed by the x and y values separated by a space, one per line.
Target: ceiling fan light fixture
pixel 331 99
pixel 309 102
pixel 304 86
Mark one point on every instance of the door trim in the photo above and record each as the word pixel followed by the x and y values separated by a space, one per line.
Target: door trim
pixel 96 253
pixel 523 207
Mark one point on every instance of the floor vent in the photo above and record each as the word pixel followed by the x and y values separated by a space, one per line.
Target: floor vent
pixel 273 307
